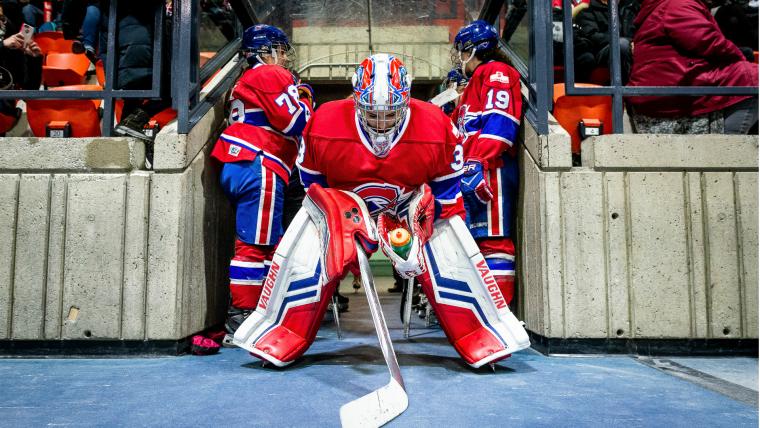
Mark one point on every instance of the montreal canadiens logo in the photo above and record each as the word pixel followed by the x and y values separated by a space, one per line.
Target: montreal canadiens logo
pixel 464 118
pixel 379 197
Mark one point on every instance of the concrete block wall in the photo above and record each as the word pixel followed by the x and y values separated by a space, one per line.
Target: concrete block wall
pixel 655 237
pixel 424 50
pixel 134 256
pixel 95 247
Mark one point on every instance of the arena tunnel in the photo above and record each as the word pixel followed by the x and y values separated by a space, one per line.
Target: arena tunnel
pixel 626 243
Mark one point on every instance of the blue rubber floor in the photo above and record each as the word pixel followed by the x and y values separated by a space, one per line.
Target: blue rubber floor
pixel 233 389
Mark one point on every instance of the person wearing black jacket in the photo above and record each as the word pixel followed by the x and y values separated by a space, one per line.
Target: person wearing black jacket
pixel 24 62
pixel 20 64
pixel 135 68
pixel 593 25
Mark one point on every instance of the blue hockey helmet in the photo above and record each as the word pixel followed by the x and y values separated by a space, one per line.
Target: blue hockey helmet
pixel 265 39
pixel 478 35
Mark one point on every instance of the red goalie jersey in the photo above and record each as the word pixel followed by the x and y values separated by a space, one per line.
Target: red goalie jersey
pixel 266 119
pixel 427 149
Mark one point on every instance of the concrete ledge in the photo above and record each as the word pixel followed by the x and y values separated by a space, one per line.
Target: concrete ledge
pixel 93 348
pixel 645 347
pixel 549 151
pixel 671 152
pixel 173 152
pixel 28 154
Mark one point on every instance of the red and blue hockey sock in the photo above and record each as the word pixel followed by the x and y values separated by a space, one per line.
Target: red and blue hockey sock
pixel 248 269
pixel 500 257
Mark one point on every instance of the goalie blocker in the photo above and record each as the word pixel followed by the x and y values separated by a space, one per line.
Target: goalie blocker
pixel 315 254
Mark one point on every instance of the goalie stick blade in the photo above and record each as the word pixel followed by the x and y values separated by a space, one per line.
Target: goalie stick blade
pixel 382 405
pixel 376 408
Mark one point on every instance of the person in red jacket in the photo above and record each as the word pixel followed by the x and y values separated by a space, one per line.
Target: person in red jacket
pixel 678 43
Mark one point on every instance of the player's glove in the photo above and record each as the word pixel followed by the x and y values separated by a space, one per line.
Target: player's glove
pixel 306 93
pixel 419 222
pixel 473 181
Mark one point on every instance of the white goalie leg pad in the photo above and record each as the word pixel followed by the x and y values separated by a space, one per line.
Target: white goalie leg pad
pixel 294 280
pixel 460 277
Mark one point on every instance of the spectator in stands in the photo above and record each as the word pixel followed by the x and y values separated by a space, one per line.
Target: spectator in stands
pixel 23 60
pixel 82 20
pixel 134 49
pixel 678 43
pixel 22 63
pixel 593 23
pixel 518 8
pixel 220 13
pixel 584 61
pixel 737 20
pixel 34 14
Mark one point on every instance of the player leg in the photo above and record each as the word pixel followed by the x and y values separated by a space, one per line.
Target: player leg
pixel 496 244
pixel 314 255
pixel 257 195
pixel 500 257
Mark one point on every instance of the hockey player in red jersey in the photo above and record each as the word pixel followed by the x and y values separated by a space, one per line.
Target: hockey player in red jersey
pixel 488 116
pixel 398 161
pixel 268 112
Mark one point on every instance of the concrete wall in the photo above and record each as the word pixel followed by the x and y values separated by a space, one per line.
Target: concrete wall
pixel 655 236
pixel 424 50
pixel 95 246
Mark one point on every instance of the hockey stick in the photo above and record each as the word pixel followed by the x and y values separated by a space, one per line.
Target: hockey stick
pixel 408 306
pixel 382 405
pixel 336 316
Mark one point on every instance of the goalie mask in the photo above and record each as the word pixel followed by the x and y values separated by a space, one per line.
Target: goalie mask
pixel 381 94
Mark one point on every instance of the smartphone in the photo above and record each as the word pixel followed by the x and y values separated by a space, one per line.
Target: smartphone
pixel 27 31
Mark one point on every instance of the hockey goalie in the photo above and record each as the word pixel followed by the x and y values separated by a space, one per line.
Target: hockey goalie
pixel 372 164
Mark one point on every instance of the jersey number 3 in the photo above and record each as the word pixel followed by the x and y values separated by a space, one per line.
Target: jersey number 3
pixel 458 158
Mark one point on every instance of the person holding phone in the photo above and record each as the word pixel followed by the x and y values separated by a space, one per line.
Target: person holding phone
pixel 20 55
pixel 21 58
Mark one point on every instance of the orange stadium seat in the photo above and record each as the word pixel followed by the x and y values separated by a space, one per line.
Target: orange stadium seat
pixel 62 69
pixel 756 54
pixel 7 122
pixel 52 41
pixel 82 116
pixel 570 111
pixel 165 116
pixel 162 118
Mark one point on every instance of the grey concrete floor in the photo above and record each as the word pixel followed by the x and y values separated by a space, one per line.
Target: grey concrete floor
pixel 233 389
